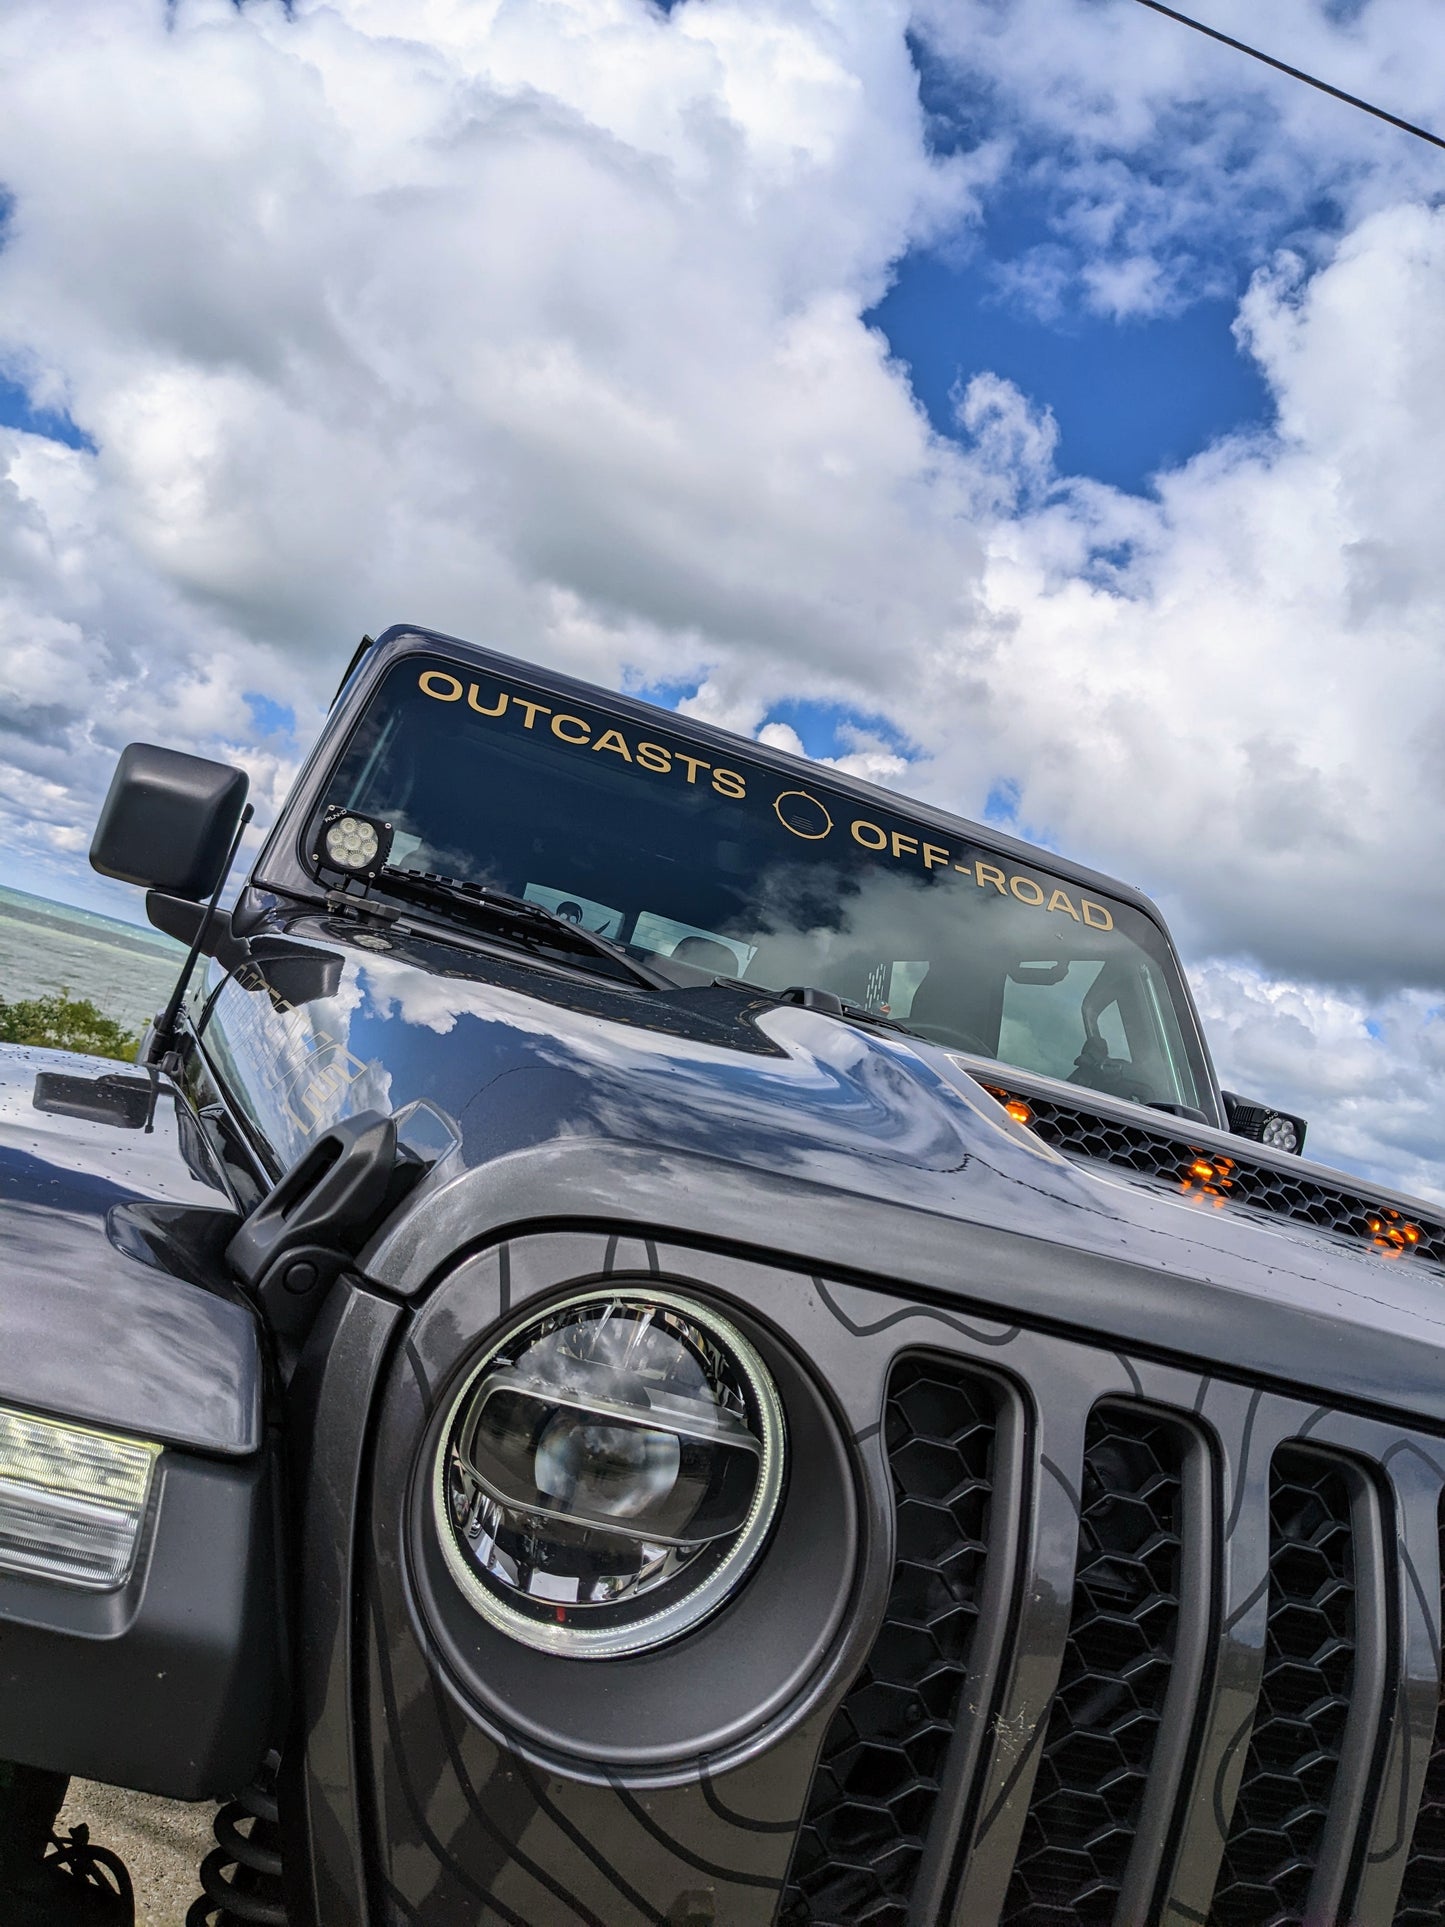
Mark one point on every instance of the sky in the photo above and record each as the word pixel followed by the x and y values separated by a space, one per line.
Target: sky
pixel 1029 404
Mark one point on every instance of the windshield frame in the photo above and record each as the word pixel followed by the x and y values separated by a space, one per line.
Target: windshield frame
pixel 283 866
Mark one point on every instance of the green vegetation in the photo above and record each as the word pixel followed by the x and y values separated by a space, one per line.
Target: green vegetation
pixel 63 1022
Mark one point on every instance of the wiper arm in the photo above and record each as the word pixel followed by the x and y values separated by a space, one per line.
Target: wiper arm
pixel 515 913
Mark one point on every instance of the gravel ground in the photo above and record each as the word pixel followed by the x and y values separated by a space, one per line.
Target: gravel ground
pixel 162 1842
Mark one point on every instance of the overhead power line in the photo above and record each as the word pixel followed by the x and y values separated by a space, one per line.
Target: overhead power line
pixel 1296 73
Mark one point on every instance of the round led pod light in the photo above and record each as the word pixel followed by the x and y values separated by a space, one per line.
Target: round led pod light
pixel 348 841
pixel 609 1472
pixel 1279 1133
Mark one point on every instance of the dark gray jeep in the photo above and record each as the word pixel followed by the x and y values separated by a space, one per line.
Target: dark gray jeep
pixel 661 1336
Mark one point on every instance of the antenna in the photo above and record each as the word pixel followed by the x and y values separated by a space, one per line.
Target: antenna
pixel 165 1026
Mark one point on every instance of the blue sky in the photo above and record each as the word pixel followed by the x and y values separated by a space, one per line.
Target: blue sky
pixel 17 410
pixel 1129 396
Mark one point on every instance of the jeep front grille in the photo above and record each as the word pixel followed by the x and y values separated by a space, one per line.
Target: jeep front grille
pixel 878 1779
pixel 1105 1717
pixel 1309 1664
pixel 1158 1648
pixel 1422 1895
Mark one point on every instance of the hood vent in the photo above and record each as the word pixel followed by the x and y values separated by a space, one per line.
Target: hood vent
pixel 1228 1180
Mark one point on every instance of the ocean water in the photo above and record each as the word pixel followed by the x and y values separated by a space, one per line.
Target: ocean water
pixel 126 970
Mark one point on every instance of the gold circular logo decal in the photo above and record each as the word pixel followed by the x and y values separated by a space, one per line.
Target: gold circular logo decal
pixel 804 815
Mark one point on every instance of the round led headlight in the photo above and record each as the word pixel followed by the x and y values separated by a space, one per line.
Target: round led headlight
pixel 1280 1134
pixel 609 1472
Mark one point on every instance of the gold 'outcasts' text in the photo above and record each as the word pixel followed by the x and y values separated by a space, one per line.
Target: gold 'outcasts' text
pixel 578 732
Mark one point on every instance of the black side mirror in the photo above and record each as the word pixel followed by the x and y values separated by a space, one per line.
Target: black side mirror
pixel 1280 1130
pixel 168 820
pixel 126 1102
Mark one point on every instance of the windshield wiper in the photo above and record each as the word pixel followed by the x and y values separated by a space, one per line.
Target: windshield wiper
pixel 516 915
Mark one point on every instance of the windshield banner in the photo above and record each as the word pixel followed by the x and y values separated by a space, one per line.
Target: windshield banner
pixel 803 813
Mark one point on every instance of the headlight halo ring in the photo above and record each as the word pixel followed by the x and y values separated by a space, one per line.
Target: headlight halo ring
pixel 685 1607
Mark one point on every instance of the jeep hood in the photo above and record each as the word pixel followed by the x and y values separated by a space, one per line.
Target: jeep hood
pixel 717 1115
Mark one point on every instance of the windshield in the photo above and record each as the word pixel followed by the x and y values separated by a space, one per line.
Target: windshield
pixel 677 849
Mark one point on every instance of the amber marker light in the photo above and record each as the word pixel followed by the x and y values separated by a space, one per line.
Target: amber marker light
pixel 1015 1106
pixel 1391 1236
pixel 1208 1178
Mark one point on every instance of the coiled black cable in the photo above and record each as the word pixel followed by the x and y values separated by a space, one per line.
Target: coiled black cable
pixel 242 1873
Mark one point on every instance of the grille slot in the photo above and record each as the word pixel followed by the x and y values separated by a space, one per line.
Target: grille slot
pixel 1422 1892
pixel 1109 1704
pixel 880 1771
pixel 1309 1666
pixel 1168 1158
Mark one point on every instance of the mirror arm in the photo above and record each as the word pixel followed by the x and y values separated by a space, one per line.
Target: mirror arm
pixel 181 917
pixel 164 1033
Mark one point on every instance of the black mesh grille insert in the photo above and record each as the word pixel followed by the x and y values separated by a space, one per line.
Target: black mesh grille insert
pixel 1422 1892
pixel 1106 1713
pixel 1232 1180
pixel 1309 1665
pixel 877 1779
